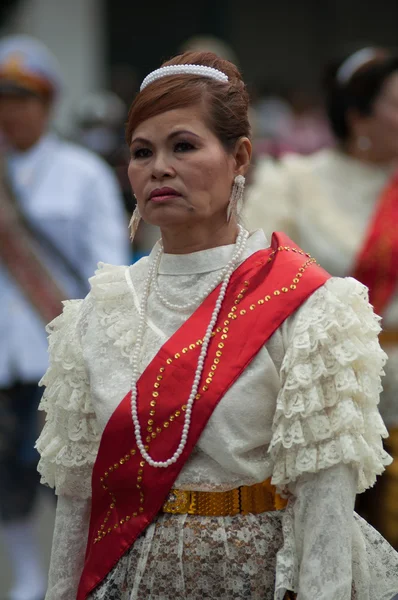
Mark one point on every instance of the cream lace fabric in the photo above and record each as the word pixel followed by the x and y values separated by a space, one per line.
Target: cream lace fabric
pixel 325 202
pixel 304 411
pixel 68 548
pixel 69 442
pixel 326 412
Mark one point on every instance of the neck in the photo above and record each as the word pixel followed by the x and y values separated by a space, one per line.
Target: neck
pixel 26 144
pixel 186 239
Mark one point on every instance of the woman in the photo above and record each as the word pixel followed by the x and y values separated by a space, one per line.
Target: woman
pixel 342 205
pixel 182 384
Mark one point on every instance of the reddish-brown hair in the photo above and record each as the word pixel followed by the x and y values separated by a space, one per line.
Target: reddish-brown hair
pixel 226 103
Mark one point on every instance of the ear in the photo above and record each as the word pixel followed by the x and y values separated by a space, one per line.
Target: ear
pixel 242 154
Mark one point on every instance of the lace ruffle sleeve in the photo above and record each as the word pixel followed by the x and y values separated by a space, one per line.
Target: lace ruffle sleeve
pixel 327 411
pixel 69 441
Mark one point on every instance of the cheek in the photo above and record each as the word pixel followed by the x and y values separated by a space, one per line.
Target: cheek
pixel 392 119
pixel 387 121
pixel 134 177
pixel 33 113
pixel 210 175
pixel 130 173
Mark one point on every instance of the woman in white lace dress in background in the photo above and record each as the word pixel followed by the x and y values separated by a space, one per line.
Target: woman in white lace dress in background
pixel 212 410
pixel 341 205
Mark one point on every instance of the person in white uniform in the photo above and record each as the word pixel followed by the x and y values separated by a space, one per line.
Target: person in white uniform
pixel 212 409
pixel 341 205
pixel 60 214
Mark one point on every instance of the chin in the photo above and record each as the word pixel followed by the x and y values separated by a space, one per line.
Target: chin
pixel 169 223
pixel 17 141
pixel 168 216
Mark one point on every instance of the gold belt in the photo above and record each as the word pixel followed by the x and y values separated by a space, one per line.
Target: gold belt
pixel 258 498
pixel 388 337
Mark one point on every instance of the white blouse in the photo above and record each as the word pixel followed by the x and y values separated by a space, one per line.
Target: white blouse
pixel 325 203
pixel 73 197
pixel 306 405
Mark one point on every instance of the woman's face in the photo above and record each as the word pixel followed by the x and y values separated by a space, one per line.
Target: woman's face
pixel 179 171
pixel 23 119
pixel 381 127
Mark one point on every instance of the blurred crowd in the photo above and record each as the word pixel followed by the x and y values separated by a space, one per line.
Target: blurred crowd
pixel 65 205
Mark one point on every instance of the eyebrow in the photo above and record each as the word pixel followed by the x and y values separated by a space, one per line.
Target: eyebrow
pixel 170 137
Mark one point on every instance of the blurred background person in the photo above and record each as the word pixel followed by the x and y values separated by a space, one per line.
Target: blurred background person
pixel 60 213
pixel 210 43
pixel 290 120
pixel 99 123
pixel 273 116
pixel 341 205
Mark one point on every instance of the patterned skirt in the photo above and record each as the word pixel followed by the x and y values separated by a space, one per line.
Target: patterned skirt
pixel 187 557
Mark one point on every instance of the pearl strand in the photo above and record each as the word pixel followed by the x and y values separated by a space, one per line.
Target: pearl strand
pixel 201 360
pixel 197 300
pixel 202 70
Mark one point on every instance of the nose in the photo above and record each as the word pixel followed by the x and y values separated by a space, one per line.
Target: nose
pixel 161 167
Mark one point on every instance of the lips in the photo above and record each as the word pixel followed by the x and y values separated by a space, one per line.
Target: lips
pixel 163 194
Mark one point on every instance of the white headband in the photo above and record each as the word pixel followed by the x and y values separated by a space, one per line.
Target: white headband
pixel 201 70
pixel 353 63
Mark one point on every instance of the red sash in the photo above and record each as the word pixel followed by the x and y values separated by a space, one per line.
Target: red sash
pixel 127 493
pixel 377 263
pixel 20 255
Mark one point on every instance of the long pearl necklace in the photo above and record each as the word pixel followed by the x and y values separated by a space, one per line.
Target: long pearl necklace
pixel 152 273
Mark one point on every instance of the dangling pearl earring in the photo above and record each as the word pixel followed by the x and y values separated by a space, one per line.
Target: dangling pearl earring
pixel 134 222
pixel 236 199
pixel 364 143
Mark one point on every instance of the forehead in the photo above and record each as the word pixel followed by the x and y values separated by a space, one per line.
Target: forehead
pixel 190 118
pixel 20 99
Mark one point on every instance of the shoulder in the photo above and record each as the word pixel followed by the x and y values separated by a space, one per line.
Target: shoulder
pixel 288 259
pixel 269 169
pixel 337 311
pixel 344 290
pixel 113 282
pixel 308 171
pixel 311 162
pixel 275 184
pixel 64 335
pixel 68 319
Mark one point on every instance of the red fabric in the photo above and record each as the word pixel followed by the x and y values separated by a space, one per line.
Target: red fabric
pixel 20 255
pixel 258 277
pixel 377 263
pixel 33 278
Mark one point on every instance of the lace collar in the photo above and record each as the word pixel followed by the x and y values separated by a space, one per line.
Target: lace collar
pixel 206 261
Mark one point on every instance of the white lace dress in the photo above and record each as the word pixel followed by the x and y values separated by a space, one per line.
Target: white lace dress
pixel 304 412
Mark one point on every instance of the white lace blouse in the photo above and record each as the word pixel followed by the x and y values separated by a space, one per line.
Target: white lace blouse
pixel 304 412
pixel 325 203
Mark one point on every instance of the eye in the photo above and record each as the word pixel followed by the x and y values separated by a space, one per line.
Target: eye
pixel 183 147
pixel 141 153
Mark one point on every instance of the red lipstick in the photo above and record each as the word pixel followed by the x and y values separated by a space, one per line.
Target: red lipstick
pixel 163 194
